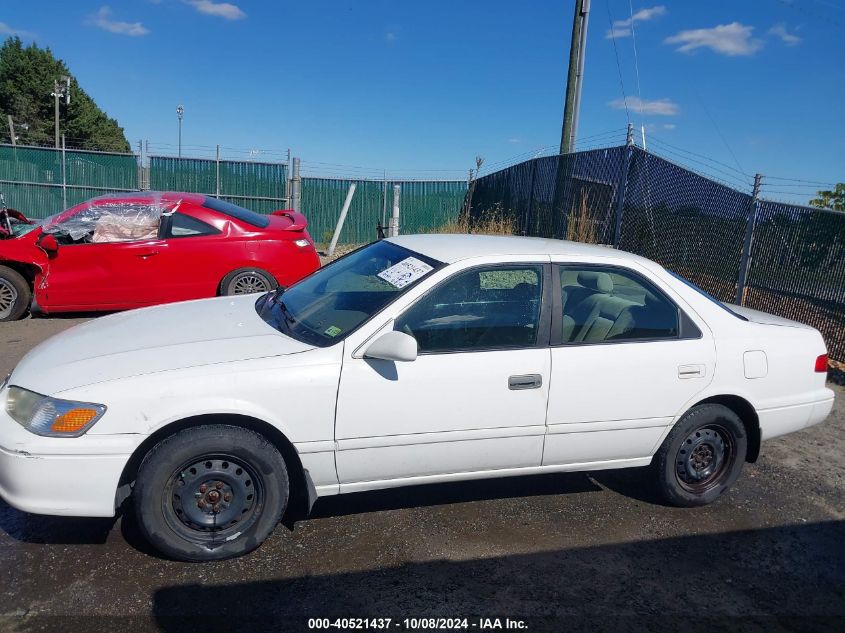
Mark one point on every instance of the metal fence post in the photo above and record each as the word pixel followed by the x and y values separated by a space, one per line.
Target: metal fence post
pixel 622 186
pixel 217 173
pixel 384 199
pixel 745 262
pixel 139 177
pixel 394 219
pixel 295 186
pixel 339 227
pixel 64 174
pixel 526 229
pixel 288 200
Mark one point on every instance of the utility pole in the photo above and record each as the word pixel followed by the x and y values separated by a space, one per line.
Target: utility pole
pixel 575 76
pixel 745 258
pixel 61 88
pixel 180 111
pixel 12 130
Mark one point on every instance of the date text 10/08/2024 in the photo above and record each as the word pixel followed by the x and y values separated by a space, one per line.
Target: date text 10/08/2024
pixel 412 624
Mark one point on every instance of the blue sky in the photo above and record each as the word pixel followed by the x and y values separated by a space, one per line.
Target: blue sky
pixel 421 88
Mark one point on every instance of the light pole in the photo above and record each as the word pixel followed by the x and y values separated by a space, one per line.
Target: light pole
pixel 180 111
pixel 61 88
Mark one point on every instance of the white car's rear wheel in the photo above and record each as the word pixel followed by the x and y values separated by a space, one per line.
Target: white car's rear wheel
pixel 702 456
pixel 210 492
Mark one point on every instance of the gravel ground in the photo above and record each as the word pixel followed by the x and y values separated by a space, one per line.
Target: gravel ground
pixel 581 551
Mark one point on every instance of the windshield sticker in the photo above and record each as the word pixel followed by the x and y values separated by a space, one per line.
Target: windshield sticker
pixel 333 331
pixel 405 272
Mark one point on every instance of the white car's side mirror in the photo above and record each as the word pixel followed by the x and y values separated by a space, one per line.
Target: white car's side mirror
pixel 396 346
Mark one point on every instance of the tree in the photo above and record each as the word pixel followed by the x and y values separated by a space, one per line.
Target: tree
pixel 834 199
pixel 27 74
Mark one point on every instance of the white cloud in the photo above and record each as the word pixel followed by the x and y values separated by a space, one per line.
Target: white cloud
pixel 5 29
pixel 779 30
pixel 514 140
pixel 224 10
pixel 669 126
pixel 103 20
pixel 390 37
pixel 727 39
pixel 657 107
pixel 622 28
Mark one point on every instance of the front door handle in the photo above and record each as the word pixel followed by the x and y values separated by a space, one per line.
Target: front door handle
pixel 526 381
pixel 145 254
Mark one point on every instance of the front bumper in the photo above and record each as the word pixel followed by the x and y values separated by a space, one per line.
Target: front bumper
pixel 62 476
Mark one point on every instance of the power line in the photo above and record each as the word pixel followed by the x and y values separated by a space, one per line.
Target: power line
pixel 808 182
pixel 618 65
pixel 636 58
pixel 707 158
pixel 719 132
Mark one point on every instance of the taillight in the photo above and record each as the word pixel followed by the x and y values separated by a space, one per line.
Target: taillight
pixel 821 363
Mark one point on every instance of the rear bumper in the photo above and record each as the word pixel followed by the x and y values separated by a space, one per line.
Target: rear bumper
pixel 788 419
pixel 61 476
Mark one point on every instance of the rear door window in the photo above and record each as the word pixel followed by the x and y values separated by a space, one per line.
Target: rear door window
pixel 606 304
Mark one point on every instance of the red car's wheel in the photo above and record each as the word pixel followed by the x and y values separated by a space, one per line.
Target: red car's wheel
pixel 15 295
pixel 246 281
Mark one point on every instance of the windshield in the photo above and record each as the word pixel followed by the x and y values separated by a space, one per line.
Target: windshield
pixel 327 306
pixel 21 228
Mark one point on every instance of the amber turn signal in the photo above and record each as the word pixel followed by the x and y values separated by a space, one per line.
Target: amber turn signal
pixel 73 420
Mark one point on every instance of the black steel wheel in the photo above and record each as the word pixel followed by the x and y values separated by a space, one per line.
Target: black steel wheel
pixel 210 492
pixel 212 497
pixel 702 456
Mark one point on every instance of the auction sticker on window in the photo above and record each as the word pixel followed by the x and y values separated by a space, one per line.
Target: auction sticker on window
pixel 405 272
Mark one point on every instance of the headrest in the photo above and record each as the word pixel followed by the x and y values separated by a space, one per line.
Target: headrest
pixel 600 282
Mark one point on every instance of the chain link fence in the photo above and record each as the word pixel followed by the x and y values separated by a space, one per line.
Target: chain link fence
pixel 781 258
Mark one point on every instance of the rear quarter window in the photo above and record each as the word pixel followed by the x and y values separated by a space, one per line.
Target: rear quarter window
pixel 239 213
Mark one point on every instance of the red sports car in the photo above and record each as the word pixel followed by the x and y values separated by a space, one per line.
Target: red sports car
pixel 138 249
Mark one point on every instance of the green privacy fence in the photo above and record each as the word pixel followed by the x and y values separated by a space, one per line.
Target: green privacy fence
pixel 425 205
pixel 257 186
pixel 42 181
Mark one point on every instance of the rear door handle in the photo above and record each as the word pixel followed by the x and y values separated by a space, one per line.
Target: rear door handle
pixel 526 381
pixel 690 371
pixel 145 254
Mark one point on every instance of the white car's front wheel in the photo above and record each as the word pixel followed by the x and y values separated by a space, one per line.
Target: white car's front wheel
pixel 210 492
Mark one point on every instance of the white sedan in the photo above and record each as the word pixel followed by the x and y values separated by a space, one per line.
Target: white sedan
pixel 413 360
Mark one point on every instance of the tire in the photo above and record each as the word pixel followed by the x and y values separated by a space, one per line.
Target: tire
pixel 702 456
pixel 15 294
pixel 247 281
pixel 210 493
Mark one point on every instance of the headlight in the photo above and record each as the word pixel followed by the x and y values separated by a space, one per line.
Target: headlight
pixel 52 417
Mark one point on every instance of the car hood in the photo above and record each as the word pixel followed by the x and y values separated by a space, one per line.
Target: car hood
pixel 149 340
